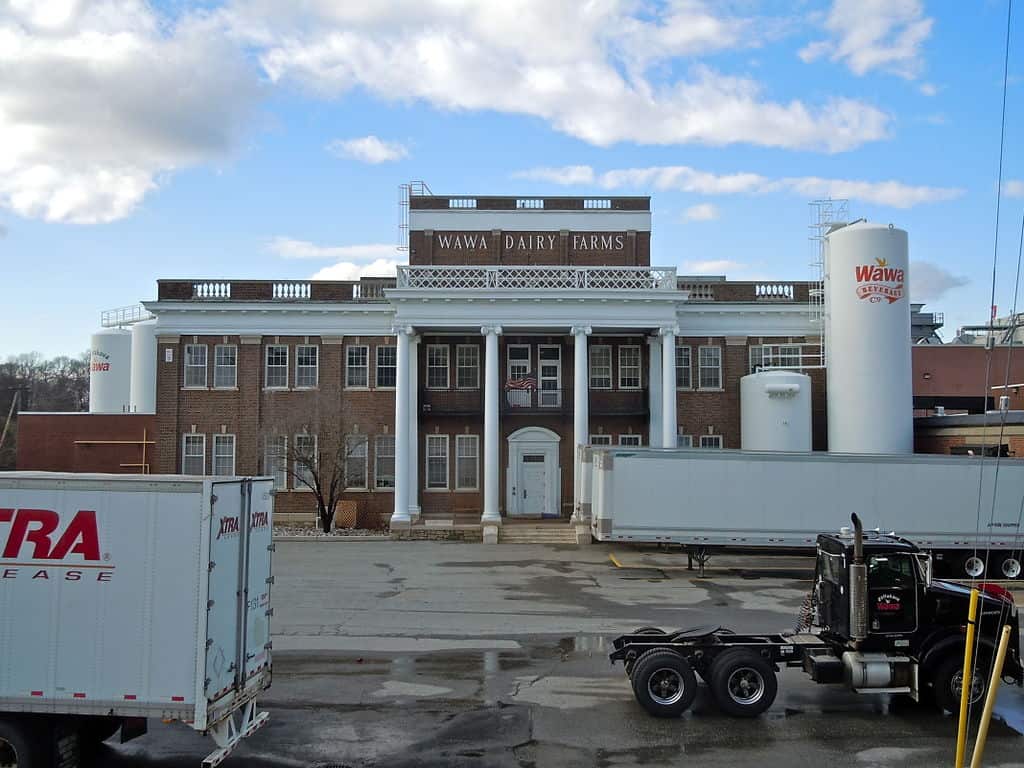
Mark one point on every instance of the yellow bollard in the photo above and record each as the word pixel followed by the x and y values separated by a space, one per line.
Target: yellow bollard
pixel 961 732
pixel 990 699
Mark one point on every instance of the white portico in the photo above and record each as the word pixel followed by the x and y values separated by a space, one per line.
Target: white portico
pixel 543 301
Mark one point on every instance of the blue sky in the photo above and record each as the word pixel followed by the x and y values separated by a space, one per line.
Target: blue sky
pixel 266 138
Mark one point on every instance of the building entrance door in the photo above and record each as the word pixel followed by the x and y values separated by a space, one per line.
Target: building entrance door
pixel 533 491
pixel 533 478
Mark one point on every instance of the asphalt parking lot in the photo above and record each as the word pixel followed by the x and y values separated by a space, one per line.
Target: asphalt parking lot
pixel 451 654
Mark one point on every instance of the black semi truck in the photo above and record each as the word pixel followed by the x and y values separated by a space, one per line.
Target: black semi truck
pixel 877 623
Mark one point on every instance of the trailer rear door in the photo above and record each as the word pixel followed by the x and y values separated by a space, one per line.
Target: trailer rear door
pixel 259 545
pixel 228 518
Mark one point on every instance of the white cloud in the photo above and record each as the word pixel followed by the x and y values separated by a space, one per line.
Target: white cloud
pixel 875 34
pixel 368 149
pixel 713 267
pixel 99 100
pixel 701 212
pixel 1014 188
pixel 603 72
pixel 347 270
pixel 929 89
pixel 929 282
pixel 683 178
pixel 290 248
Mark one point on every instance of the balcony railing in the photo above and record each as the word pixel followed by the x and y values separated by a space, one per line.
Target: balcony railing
pixel 535 401
pixel 451 402
pixel 538 277
pixel 279 291
pixel 623 402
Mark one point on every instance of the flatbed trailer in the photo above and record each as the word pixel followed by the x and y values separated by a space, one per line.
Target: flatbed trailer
pixel 876 622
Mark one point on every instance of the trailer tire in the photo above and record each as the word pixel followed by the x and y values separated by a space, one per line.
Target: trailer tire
pixel 946 684
pixel 93 731
pixel 23 744
pixel 664 683
pixel 628 665
pixel 743 683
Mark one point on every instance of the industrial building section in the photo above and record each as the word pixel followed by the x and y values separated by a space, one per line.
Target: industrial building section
pixel 459 390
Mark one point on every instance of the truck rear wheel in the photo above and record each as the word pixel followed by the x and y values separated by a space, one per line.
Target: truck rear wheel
pixel 743 683
pixel 22 745
pixel 664 683
pixel 947 682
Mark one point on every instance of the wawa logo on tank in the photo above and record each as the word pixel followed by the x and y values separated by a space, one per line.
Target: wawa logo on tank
pixel 100 361
pixel 36 546
pixel 228 525
pixel 879 281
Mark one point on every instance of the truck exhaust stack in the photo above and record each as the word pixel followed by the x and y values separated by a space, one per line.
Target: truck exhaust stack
pixel 858 586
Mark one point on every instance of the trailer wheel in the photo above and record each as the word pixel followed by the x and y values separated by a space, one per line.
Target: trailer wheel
pixel 628 665
pixel 22 745
pixel 664 683
pixel 743 683
pixel 95 730
pixel 1010 567
pixel 972 567
pixel 947 684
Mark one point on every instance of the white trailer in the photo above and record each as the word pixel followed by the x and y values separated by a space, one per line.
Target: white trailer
pixel 707 500
pixel 129 597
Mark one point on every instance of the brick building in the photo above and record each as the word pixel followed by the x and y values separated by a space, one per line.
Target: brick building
pixel 518 329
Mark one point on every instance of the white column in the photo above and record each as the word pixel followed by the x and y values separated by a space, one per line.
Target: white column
pixel 492 384
pixel 581 389
pixel 400 518
pixel 654 391
pixel 414 435
pixel 668 387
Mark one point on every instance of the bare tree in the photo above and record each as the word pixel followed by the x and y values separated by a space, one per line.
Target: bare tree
pixel 319 453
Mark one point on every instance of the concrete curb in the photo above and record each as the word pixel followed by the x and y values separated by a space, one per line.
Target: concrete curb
pixel 330 539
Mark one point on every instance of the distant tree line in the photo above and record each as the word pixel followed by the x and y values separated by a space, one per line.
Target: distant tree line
pixel 39 384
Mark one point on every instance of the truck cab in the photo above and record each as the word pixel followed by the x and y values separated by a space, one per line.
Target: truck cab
pixel 901 618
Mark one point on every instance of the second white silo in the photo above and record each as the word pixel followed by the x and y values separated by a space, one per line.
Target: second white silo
pixel 867 306
pixel 143 386
pixel 110 373
pixel 775 411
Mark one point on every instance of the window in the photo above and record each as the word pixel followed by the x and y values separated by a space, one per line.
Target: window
pixel 437 366
pixel 684 441
pixel 225 366
pixel 600 367
pixel 307 366
pixel 277 367
pixel 710 441
pixel 466 465
pixel 600 439
pixel 629 367
pixel 355 461
pixel 629 439
pixel 775 356
pixel 193 454
pixel 437 461
pixel 467 366
pixel 195 365
pixel 304 461
pixel 387 366
pixel 710 367
pixel 275 459
pixel 357 366
pixel 684 371
pixel 224 454
pixel 384 469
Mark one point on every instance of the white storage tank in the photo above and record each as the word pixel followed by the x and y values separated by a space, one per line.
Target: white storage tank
pixel 143 385
pixel 867 327
pixel 775 411
pixel 110 371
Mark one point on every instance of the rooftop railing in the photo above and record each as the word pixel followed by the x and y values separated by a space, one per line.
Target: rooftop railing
pixel 538 277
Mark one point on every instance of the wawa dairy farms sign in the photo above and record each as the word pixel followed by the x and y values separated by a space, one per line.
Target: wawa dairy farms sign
pixel 879 281
pixel 482 241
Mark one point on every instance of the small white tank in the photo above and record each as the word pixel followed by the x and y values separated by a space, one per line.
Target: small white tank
pixel 775 411
pixel 110 371
pixel 867 312
pixel 143 386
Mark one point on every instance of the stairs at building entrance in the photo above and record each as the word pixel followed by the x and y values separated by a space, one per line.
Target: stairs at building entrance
pixel 523 532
